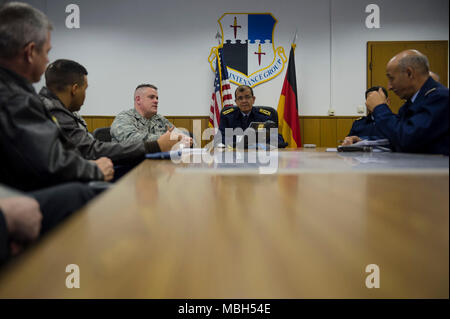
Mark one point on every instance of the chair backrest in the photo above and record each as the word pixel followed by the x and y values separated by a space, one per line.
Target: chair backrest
pixel 273 112
pixel 102 134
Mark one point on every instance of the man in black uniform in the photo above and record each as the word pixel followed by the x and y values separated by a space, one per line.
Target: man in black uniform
pixel 35 152
pixel 25 216
pixel 365 128
pixel 241 116
pixel 20 221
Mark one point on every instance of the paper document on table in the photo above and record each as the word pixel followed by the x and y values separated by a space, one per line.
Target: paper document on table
pixel 163 155
pixel 5 191
pixel 195 151
pixel 380 142
pixel 381 145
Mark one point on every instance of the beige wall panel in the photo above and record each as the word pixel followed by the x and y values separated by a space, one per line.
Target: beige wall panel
pixel 328 132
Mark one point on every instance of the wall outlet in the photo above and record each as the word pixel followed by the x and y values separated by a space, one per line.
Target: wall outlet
pixel 360 109
pixel 331 112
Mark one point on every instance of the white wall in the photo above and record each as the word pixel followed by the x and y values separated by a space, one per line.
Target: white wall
pixel 167 43
pixel 401 20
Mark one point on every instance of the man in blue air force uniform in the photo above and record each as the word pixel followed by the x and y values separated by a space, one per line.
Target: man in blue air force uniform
pixel 422 123
pixel 365 127
pixel 243 114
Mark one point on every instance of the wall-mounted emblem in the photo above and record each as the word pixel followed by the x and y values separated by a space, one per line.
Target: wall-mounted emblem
pixel 249 49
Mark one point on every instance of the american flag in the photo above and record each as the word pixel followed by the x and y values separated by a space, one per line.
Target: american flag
pixel 221 96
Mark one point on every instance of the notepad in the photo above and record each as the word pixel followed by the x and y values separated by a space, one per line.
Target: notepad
pixel 381 145
pixel 163 155
pixel 381 142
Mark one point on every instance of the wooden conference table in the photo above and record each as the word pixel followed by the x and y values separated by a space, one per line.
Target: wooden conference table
pixel 225 230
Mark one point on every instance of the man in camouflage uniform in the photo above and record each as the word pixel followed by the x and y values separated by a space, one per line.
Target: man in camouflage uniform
pixel 142 122
pixel 64 95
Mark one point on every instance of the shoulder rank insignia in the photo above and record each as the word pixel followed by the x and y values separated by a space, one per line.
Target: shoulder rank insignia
pixel 264 112
pixel 227 111
pixel 55 120
pixel 360 118
pixel 429 91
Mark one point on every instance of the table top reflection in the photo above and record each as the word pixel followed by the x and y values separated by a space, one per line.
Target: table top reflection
pixel 295 224
pixel 311 161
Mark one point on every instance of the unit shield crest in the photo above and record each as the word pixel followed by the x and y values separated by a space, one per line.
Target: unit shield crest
pixel 248 48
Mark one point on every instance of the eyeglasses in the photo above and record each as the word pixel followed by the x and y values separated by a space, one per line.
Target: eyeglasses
pixel 241 98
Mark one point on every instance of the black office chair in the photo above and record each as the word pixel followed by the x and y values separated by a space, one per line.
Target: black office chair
pixel 273 118
pixel 102 134
pixel 273 112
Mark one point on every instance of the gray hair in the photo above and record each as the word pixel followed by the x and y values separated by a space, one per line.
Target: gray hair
pixel 140 88
pixel 21 24
pixel 416 60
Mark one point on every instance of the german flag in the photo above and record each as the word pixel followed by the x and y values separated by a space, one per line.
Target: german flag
pixel 288 123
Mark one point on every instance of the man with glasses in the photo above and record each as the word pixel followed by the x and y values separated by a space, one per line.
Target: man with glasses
pixel 242 115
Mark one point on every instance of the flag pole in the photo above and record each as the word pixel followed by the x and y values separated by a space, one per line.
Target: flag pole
pixel 218 36
pixel 295 38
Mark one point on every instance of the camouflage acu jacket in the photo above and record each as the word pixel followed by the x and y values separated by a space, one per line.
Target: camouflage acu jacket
pixel 130 126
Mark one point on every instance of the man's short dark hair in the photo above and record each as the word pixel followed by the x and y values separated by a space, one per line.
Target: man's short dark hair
pixel 21 24
pixel 242 88
pixel 146 86
pixel 376 88
pixel 63 73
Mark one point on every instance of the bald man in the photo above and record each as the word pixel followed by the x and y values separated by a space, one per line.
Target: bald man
pixel 422 123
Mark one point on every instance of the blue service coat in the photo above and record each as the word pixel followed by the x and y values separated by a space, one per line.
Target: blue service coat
pixel 366 129
pixel 232 117
pixel 421 126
